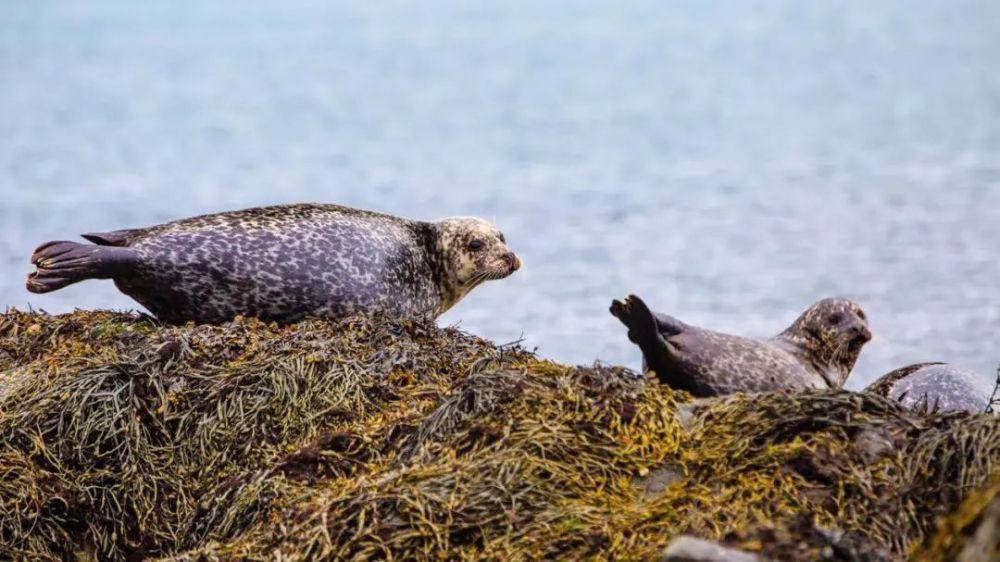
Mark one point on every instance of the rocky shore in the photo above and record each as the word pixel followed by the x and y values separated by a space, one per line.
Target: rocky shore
pixel 121 439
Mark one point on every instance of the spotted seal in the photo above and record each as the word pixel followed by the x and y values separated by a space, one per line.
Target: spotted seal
pixel 285 262
pixel 935 386
pixel 817 351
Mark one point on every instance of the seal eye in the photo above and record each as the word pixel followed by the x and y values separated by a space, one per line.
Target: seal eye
pixel 502 239
pixel 476 245
pixel 861 315
pixel 835 318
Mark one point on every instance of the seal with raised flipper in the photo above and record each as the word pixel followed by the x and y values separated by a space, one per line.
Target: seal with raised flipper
pixel 817 351
pixel 286 262
pixel 935 387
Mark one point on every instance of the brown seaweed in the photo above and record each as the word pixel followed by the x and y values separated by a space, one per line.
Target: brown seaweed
pixel 121 439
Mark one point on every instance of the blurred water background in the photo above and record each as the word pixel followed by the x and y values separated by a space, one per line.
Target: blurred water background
pixel 730 161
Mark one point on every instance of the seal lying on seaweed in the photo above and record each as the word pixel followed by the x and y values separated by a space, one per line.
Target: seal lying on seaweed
pixel 935 386
pixel 817 351
pixel 284 263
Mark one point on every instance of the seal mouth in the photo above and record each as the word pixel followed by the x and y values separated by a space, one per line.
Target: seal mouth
pixel 501 269
pixel 500 272
pixel 507 264
pixel 516 265
pixel 862 335
pixel 858 336
pixel 853 346
pixel 858 341
pixel 511 262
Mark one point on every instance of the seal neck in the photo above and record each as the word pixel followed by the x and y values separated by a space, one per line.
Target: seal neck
pixel 449 290
pixel 821 358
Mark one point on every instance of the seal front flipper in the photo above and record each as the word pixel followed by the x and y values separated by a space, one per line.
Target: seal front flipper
pixel 63 263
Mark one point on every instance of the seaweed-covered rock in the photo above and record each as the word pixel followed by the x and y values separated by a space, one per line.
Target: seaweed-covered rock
pixel 971 534
pixel 121 439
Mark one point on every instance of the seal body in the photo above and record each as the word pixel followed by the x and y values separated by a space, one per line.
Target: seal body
pixel 284 263
pixel 817 351
pixel 935 387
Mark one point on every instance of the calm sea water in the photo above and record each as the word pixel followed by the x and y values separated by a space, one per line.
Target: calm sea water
pixel 731 162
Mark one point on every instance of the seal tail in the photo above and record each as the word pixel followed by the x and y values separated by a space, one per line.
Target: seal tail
pixel 62 263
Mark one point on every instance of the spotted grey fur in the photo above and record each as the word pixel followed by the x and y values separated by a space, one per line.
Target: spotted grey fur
pixel 286 262
pixel 935 386
pixel 817 351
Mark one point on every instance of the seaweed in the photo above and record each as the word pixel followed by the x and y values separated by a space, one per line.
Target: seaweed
pixel 123 439
pixel 971 533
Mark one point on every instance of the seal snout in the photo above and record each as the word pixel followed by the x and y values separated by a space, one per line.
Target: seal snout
pixel 862 333
pixel 512 261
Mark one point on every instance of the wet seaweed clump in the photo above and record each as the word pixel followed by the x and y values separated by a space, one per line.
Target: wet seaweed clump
pixel 121 439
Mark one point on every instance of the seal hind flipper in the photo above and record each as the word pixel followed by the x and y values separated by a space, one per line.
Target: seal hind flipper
pixel 118 238
pixel 641 324
pixel 63 263
pixel 660 349
pixel 643 330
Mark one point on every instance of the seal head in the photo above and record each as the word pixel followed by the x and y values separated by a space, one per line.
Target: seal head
pixel 472 251
pixel 829 335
